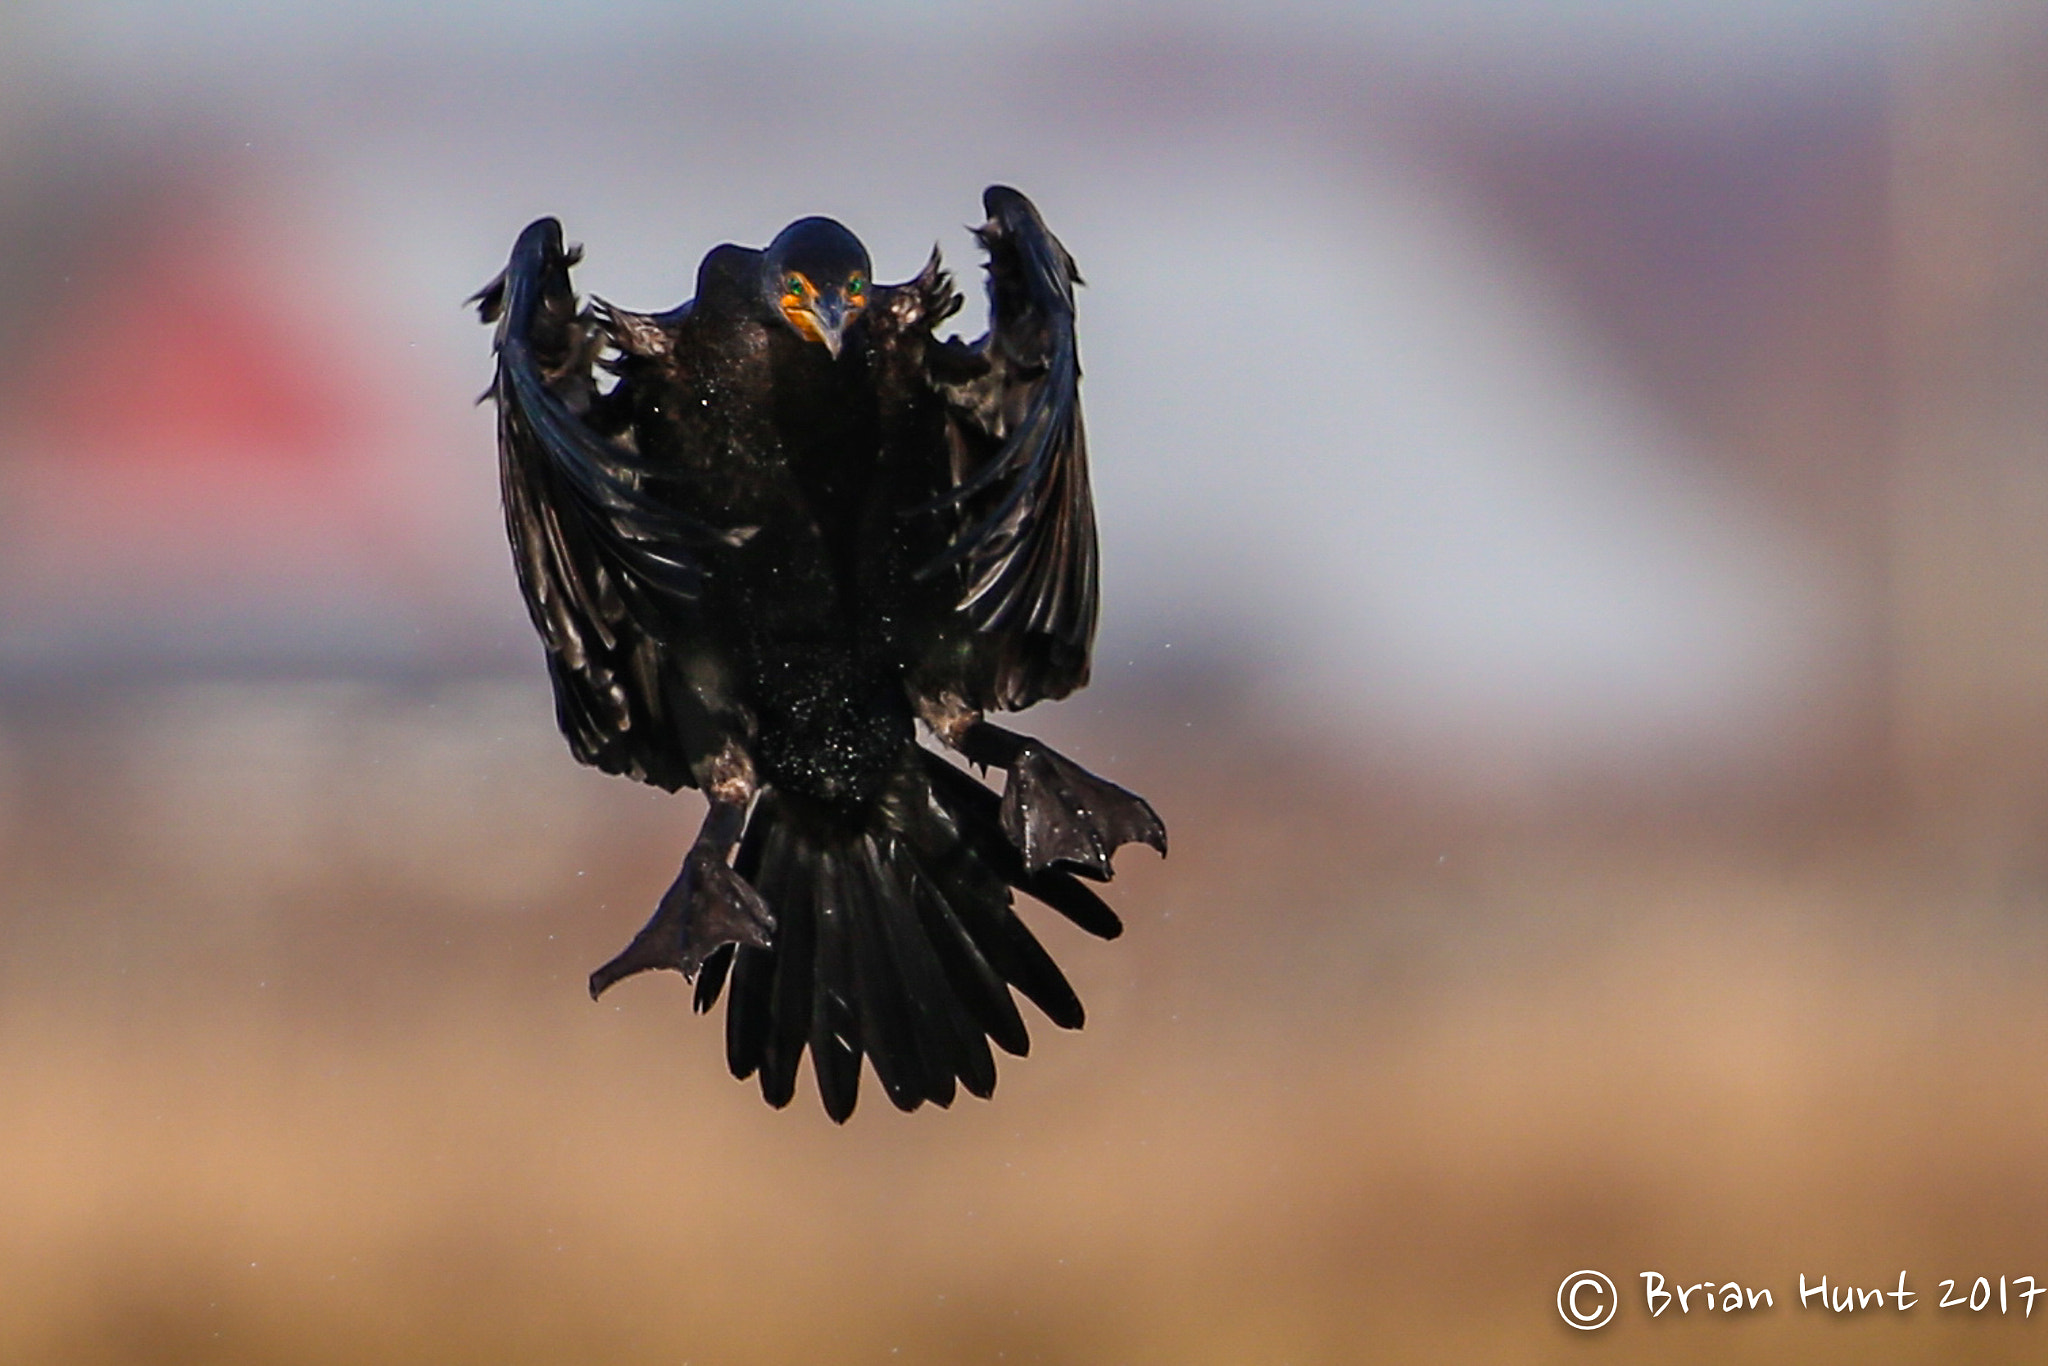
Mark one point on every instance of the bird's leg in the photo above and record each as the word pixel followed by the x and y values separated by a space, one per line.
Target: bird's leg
pixel 709 904
pixel 1054 810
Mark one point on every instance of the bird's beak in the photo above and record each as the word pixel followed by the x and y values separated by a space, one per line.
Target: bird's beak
pixel 828 315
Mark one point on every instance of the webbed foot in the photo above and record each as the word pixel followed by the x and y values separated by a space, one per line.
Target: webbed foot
pixel 708 905
pixel 1057 812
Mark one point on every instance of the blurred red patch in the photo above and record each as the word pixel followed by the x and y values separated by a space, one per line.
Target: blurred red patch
pixel 194 396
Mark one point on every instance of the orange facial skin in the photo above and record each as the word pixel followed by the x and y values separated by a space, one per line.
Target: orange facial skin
pixel 799 305
pixel 797 296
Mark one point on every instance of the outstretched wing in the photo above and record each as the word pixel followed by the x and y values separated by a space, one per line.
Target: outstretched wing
pixel 609 569
pixel 1024 543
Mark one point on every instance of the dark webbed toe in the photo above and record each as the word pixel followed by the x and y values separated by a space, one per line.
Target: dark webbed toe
pixel 1057 812
pixel 708 905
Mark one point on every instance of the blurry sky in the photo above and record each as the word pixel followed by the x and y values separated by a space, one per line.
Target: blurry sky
pixel 1362 453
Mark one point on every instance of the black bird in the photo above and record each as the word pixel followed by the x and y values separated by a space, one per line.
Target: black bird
pixel 795 525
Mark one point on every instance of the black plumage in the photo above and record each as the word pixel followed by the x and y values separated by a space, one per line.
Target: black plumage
pixel 794 524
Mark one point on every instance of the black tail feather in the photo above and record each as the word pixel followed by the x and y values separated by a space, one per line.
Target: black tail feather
pixel 896 941
pixel 896 1046
pixel 951 991
pixel 1015 952
pixel 980 897
pixel 941 1020
pixel 746 1021
pixel 746 1018
pixel 711 980
pixel 835 1031
pixel 991 1011
pixel 1057 889
pixel 794 878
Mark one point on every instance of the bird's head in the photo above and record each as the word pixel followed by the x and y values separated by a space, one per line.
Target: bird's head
pixel 817 278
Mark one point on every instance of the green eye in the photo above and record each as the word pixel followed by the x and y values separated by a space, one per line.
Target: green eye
pixel 856 286
pixel 793 284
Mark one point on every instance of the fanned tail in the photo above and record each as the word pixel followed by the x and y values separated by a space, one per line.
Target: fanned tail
pixel 896 941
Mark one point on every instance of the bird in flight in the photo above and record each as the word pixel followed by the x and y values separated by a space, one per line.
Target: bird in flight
pixel 762 536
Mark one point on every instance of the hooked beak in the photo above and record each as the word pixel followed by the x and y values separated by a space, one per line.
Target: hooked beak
pixel 828 315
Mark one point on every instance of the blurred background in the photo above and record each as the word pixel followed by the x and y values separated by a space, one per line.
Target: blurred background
pixel 1572 481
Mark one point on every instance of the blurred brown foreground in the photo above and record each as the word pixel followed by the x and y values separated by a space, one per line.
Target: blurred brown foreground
pixel 298 1067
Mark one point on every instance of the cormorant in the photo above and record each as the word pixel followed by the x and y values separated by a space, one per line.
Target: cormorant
pixel 796 524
